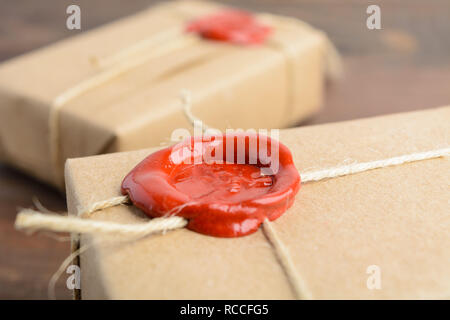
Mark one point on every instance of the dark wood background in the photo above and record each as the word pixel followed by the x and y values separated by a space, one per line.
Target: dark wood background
pixel 404 66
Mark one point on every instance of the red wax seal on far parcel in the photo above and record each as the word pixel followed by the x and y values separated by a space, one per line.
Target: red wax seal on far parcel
pixel 233 26
pixel 224 185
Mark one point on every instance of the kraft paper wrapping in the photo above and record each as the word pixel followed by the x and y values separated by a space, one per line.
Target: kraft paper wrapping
pixel 232 86
pixel 396 218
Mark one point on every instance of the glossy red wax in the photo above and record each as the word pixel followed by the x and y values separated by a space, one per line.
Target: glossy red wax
pixel 232 26
pixel 227 199
pixel 221 182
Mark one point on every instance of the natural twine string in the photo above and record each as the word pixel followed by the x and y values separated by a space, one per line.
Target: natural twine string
pixel 284 257
pixel 186 100
pixel 333 67
pixel 30 220
pixel 63 267
pixel 100 205
pixel 366 166
pixel 333 64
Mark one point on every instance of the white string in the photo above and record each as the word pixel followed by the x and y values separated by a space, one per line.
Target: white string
pixel 31 220
pixel 298 286
pixel 186 100
pixel 365 166
pixel 52 283
pixel 108 203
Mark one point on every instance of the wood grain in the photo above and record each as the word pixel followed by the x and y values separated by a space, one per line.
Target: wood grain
pixel 404 66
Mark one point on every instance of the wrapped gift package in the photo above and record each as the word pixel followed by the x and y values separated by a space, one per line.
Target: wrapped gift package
pixel 116 88
pixel 393 219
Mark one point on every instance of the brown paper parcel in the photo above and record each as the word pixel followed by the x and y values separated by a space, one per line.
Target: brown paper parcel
pixel 116 88
pixel 395 218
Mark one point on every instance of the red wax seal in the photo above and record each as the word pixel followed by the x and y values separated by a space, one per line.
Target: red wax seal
pixel 225 185
pixel 232 26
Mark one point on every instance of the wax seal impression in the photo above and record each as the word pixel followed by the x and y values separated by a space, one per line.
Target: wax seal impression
pixel 224 185
pixel 234 26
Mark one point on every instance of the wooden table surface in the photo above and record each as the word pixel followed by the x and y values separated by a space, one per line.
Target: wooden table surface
pixel 404 66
